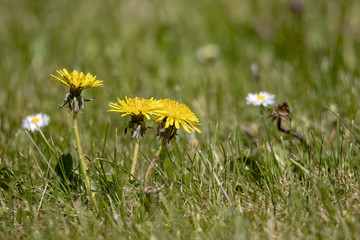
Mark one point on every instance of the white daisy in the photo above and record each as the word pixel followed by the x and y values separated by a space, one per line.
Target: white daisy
pixel 207 52
pixel 34 122
pixel 261 98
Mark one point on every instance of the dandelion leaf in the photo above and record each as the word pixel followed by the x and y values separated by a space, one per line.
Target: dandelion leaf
pixel 64 167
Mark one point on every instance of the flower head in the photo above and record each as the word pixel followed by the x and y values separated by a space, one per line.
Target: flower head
pixel 261 98
pixel 76 81
pixel 137 109
pixel 34 122
pixel 136 106
pixel 171 115
pixel 282 111
pixel 207 52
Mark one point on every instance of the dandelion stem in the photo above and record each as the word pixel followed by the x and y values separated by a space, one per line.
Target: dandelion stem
pixel 81 155
pixel 133 166
pixel 153 162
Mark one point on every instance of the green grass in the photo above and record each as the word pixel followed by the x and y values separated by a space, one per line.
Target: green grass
pixel 147 49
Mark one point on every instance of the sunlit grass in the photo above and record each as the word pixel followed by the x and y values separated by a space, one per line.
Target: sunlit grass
pixel 242 177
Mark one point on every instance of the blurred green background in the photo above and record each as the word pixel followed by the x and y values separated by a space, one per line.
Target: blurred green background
pixel 307 56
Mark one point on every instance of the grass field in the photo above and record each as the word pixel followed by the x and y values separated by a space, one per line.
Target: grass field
pixel 241 178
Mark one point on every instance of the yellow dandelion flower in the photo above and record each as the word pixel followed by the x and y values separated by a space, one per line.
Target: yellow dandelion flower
pixel 76 81
pixel 172 114
pixel 137 108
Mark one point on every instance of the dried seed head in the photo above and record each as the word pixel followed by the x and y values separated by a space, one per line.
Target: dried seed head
pixel 282 111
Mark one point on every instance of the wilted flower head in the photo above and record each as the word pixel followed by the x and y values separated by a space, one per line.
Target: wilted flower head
pixel 34 122
pixel 207 52
pixel 171 115
pixel 282 111
pixel 261 98
pixel 76 81
pixel 297 6
pixel 137 109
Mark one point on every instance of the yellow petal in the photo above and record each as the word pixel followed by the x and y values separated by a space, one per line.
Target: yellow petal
pixel 177 124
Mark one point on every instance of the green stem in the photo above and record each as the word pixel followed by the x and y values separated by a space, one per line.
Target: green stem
pixel 153 162
pixel 261 122
pixel 81 155
pixel 133 166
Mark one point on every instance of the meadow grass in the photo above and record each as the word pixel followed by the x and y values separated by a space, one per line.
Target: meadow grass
pixel 241 178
